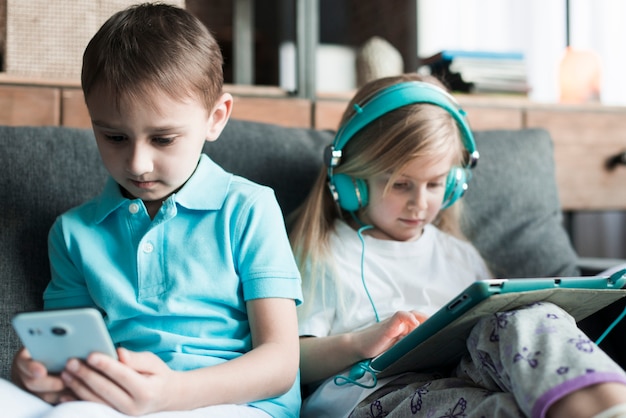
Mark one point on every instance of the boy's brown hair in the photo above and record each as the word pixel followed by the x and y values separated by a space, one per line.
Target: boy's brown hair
pixel 153 46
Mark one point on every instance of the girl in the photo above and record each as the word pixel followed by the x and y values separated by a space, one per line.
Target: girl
pixel 383 239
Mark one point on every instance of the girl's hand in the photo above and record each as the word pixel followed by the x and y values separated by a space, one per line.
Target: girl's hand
pixel 137 384
pixel 322 357
pixel 379 337
pixel 33 376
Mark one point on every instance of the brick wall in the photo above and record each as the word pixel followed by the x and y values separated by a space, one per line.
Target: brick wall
pixel 46 39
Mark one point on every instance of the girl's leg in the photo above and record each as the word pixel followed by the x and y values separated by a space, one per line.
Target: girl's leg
pixel 539 355
pixel 520 363
pixel 588 401
pixel 15 402
pixel 432 395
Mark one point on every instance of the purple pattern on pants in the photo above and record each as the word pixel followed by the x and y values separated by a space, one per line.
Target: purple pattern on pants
pixel 518 364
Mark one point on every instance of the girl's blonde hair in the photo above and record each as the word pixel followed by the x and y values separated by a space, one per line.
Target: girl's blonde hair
pixel 417 131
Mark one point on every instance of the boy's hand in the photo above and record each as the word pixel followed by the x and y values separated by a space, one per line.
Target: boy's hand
pixel 137 384
pixel 33 376
pixel 383 335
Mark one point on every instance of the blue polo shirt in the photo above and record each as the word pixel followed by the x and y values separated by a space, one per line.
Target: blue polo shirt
pixel 176 285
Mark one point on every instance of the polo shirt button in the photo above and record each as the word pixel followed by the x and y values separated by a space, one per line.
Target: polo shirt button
pixel 133 208
pixel 148 247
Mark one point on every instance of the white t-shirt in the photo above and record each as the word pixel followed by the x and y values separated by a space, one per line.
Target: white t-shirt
pixel 418 275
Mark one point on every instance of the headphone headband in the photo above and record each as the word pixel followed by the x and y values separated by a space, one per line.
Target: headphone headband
pixel 351 193
pixel 399 95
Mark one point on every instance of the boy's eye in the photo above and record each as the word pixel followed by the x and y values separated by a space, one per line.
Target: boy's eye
pixel 163 140
pixel 435 184
pixel 115 138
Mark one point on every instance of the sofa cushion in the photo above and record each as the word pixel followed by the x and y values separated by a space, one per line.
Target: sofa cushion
pixel 45 171
pixel 286 159
pixel 513 214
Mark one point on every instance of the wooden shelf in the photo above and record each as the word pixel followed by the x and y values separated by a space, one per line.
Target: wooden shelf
pixel 584 136
pixel 33 101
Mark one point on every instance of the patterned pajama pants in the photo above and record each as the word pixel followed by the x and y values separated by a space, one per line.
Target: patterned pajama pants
pixel 518 364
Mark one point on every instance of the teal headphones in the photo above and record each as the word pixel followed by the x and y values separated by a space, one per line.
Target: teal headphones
pixel 350 193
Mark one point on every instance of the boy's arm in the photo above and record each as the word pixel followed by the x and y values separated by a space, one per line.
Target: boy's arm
pixel 141 383
pixel 268 370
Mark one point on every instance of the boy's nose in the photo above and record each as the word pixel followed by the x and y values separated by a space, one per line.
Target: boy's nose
pixel 139 161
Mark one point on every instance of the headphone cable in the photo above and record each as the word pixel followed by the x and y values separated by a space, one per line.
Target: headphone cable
pixel 360 368
pixel 367 292
pixel 610 327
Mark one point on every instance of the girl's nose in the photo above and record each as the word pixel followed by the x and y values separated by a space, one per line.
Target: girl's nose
pixel 418 201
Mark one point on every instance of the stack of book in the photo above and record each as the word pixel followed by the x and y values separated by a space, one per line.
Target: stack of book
pixel 478 71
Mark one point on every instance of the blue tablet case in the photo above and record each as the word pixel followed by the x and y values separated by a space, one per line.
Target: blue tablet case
pixel 440 340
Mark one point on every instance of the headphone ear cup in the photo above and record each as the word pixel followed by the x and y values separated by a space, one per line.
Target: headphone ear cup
pixel 456 184
pixel 352 193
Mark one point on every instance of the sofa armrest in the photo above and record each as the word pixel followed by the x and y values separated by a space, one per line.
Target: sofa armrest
pixel 591 266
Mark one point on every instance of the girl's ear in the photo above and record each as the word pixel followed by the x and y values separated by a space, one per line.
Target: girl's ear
pixel 219 116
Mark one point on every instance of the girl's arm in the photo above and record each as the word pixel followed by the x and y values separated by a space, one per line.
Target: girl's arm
pixel 142 383
pixel 323 357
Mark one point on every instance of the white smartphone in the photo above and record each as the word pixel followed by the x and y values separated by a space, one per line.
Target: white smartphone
pixel 53 337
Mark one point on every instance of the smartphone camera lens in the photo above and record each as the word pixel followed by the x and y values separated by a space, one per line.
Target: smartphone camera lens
pixel 59 331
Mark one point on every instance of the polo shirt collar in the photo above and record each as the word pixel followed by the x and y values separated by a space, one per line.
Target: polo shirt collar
pixel 206 189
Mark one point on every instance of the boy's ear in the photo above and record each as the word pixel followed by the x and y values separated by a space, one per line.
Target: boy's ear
pixel 219 116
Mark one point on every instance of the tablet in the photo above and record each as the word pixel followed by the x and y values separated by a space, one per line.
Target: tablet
pixel 440 340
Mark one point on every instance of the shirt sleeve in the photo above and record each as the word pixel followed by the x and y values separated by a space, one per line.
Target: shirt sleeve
pixel 67 287
pixel 264 257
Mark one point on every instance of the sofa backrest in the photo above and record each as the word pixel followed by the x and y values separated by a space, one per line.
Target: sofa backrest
pixel 514 214
pixel 512 209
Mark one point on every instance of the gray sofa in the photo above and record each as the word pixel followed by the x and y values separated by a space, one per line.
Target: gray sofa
pixel 512 205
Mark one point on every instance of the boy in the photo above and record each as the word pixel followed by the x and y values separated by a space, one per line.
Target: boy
pixel 189 265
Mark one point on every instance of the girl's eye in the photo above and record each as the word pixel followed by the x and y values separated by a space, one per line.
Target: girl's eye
pixel 401 185
pixel 435 184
